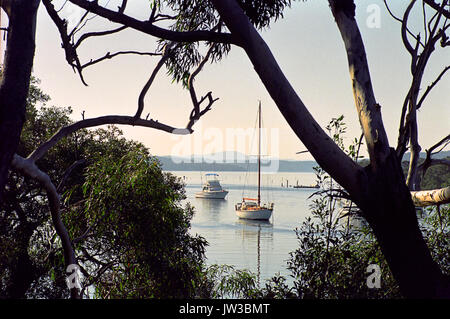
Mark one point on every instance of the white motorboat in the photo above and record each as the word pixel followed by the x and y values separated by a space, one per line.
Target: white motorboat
pixel 212 188
pixel 251 208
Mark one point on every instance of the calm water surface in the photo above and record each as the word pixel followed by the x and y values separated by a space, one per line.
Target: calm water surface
pixel 258 246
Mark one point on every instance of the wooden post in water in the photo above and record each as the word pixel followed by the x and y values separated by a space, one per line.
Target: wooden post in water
pixel 3 36
pixel 1 44
pixel 259 156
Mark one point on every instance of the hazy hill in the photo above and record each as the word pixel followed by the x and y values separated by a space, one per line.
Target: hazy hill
pixel 232 162
pixel 445 154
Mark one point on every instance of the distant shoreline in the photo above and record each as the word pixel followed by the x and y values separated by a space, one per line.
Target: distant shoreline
pixel 192 164
pixel 273 166
pixel 231 171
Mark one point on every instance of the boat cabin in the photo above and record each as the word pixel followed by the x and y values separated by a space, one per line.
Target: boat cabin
pixel 212 183
pixel 212 188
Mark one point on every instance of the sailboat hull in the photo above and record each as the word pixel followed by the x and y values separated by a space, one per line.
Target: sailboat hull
pixel 260 214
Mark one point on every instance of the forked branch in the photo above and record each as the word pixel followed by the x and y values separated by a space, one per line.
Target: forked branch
pixel 70 47
pixel 196 112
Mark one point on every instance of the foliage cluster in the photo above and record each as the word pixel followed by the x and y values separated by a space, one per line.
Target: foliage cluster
pixel 134 223
pixel 193 15
pixel 123 213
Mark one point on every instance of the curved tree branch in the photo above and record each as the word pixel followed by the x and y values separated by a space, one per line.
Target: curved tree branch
pixel 97 34
pixel 70 47
pixel 445 141
pixel 28 168
pixel 196 112
pixel 97 121
pixel 149 28
pixel 71 53
pixel 404 26
pixel 422 168
pixel 406 42
pixel 165 56
pixel 408 128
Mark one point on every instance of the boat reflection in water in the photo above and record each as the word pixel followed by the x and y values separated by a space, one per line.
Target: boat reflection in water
pixel 255 229
pixel 211 210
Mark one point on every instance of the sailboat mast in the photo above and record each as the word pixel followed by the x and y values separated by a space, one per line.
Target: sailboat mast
pixel 259 156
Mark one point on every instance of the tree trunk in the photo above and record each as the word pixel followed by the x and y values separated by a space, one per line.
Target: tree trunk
pixel 387 203
pixel 389 210
pixel 16 79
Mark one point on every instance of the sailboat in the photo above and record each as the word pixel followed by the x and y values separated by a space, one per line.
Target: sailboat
pixel 251 208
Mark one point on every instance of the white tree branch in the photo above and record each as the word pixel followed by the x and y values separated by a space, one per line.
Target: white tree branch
pixel 431 197
pixel 28 168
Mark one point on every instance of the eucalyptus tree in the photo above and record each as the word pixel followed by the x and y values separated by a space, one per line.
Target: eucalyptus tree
pixel 130 235
pixel 380 190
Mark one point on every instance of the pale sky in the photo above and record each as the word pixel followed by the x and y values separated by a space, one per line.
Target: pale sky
pixel 308 48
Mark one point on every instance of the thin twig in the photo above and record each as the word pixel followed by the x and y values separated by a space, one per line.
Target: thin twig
pixel 165 55
pixel 94 34
pixel 110 55
pixel 431 86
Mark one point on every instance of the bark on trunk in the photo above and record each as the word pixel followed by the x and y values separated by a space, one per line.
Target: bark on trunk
pixel 368 110
pixel 16 79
